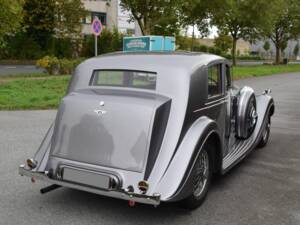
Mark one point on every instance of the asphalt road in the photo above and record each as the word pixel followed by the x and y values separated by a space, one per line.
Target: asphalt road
pixel 26 69
pixel 264 189
pixel 17 69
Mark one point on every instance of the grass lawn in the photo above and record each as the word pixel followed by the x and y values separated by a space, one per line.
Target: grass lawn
pixel 41 91
pixel 263 70
pixel 32 93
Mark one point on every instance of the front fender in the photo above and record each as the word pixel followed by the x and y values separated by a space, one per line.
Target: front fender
pixel 173 181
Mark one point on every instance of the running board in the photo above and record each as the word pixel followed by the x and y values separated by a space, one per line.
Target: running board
pixel 240 150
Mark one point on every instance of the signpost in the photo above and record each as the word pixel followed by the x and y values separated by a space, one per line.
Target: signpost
pixel 97 29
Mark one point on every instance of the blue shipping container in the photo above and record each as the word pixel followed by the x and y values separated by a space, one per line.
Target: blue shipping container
pixel 148 43
pixel 169 44
pixel 144 43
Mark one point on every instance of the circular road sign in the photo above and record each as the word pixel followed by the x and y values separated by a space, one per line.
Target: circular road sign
pixel 97 26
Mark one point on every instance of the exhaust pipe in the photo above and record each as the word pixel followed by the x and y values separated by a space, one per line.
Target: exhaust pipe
pixel 49 188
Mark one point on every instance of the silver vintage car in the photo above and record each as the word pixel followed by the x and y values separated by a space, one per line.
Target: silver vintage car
pixel 150 127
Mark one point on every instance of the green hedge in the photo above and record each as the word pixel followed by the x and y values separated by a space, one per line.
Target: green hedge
pixel 21 46
pixel 53 65
pixel 108 41
pixel 209 49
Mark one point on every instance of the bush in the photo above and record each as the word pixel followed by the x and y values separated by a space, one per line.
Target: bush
pixel 183 43
pixel 204 48
pixel 223 42
pixel 49 63
pixel 67 66
pixel 61 47
pixel 54 65
pixel 201 48
pixel 249 57
pixel 20 46
pixel 227 56
pixel 23 46
pixel 215 50
pixel 243 57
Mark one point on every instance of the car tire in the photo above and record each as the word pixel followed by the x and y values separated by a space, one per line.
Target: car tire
pixel 201 178
pixel 247 119
pixel 265 135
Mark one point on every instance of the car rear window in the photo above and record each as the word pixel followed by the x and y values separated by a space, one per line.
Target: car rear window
pixel 124 78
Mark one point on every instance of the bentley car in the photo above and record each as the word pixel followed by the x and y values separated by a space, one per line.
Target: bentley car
pixel 150 127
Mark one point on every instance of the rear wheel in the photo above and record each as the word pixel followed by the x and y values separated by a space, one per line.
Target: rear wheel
pixel 201 176
pixel 265 135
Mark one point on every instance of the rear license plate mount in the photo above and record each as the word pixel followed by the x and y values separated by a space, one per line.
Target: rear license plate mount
pixel 86 177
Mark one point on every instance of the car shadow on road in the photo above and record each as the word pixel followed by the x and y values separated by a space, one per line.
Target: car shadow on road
pixel 74 204
pixel 116 209
pixel 119 210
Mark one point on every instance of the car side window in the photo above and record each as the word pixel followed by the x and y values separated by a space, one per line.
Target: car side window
pixel 214 80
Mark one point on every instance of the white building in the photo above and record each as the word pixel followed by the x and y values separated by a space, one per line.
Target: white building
pixel 106 11
pixel 110 14
pixel 124 25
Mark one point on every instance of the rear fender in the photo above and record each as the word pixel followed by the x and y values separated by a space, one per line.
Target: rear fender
pixel 171 186
pixel 42 154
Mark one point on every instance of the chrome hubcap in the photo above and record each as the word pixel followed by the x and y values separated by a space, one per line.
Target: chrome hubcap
pixel 202 172
pixel 253 117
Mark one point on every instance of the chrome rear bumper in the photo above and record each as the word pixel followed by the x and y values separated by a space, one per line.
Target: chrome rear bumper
pixel 121 194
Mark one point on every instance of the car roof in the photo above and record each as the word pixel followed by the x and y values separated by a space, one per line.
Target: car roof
pixel 152 61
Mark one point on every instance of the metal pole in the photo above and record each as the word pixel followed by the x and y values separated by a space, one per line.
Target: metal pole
pixel 96 45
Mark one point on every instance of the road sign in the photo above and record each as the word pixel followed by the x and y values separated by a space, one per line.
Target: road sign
pixel 96 29
pixel 97 26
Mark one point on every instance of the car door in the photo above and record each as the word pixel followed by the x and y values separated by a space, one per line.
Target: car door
pixel 216 95
pixel 229 119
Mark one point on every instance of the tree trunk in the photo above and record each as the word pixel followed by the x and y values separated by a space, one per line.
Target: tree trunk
pixel 193 38
pixel 147 29
pixel 234 42
pixel 141 25
pixel 277 60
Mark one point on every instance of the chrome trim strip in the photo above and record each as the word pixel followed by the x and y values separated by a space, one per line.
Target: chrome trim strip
pixel 210 106
pixel 215 96
pixel 121 194
pixel 212 102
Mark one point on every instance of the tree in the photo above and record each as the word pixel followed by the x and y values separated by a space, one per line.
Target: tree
pixel 241 19
pixel 223 42
pixel 266 46
pixel 39 20
pixel 10 17
pixel 68 14
pixel 296 50
pixel 47 20
pixel 67 18
pixel 285 25
pixel 195 13
pixel 153 16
